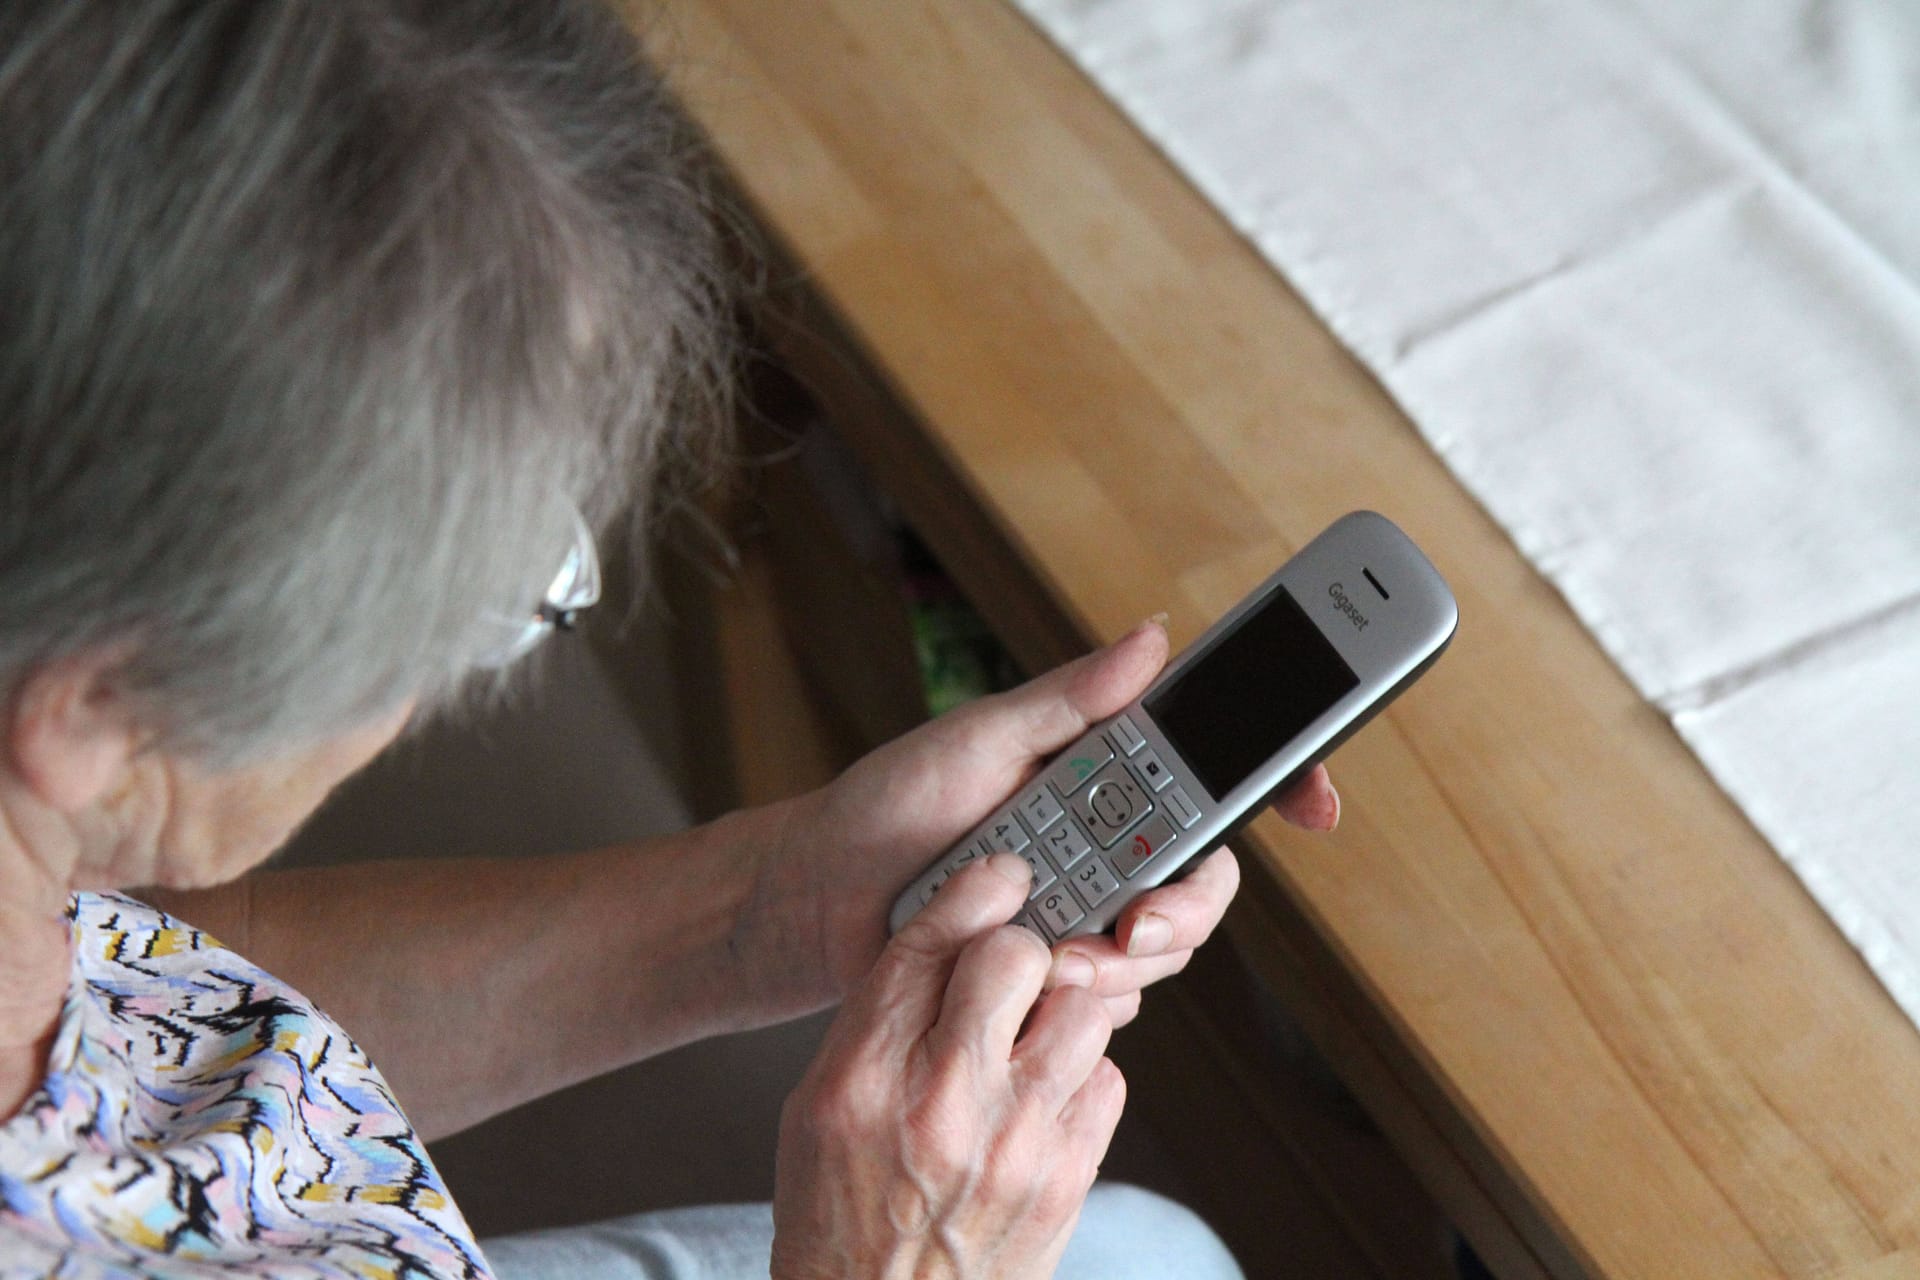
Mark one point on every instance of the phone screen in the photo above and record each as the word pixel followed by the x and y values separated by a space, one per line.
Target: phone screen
pixel 1250 692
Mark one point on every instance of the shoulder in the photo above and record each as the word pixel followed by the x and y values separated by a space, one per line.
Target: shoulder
pixel 111 927
pixel 215 1107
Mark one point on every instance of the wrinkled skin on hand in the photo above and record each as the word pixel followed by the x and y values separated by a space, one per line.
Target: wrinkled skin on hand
pixel 931 1137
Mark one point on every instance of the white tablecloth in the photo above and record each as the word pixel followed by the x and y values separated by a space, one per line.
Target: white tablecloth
pixel 1644 274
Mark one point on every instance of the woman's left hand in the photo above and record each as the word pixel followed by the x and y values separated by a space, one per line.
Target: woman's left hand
pixel 817 914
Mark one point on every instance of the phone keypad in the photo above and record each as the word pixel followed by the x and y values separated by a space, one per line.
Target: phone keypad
pixel 1093 883
pixel 1066 844
pixel 1111 805
pixel 1154 835
pixel 1026 920
pixel 1103 792
pixel 1006 835
pixel 1042 873
pixel 1059 911
pixel 1182 807
pixel 1152 772
pixel 1040 808
pixel 1079 763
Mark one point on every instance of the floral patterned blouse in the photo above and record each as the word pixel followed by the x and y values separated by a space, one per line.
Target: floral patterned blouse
pixel 200 1119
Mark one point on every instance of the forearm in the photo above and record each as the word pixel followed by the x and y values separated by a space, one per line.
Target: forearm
pixel 479 984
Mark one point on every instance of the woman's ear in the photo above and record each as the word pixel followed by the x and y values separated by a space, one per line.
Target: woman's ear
pixel 70 734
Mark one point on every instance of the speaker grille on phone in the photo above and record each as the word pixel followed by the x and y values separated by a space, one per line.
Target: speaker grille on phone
pixel 1376 584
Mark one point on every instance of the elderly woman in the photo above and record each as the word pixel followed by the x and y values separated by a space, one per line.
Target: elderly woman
pixel 328 329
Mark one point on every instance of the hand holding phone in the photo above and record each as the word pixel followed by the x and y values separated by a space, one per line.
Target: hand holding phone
pixel 1271 689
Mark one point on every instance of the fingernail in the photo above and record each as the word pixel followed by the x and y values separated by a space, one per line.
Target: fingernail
pixel 1013 868
pixel 1334 821
pixel 1157 620
pixel 1071 969
pixel 1150 936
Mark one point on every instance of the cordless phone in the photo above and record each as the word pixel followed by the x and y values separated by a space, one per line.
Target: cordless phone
pixel 1243 713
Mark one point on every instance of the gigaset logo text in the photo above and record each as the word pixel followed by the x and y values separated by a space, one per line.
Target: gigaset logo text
pixel 1345 604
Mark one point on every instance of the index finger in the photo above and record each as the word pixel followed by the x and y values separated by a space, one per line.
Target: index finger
pixel 908 982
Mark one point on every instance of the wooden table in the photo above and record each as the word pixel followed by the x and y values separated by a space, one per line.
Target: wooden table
pixel 1594 1011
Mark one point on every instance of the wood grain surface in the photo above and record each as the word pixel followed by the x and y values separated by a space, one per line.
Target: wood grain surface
pixel 1600 1018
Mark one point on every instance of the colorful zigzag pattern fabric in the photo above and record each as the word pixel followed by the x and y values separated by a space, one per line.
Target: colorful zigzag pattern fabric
pixel 201 1119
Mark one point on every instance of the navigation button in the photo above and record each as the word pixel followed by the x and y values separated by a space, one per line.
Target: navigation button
pixel 1111 804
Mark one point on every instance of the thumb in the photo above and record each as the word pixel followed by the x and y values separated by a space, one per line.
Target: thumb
pixel 1046 713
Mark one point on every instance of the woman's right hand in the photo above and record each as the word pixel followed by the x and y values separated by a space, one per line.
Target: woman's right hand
pixel 930 1137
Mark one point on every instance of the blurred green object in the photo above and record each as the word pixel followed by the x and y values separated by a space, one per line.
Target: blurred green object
pixel 960 659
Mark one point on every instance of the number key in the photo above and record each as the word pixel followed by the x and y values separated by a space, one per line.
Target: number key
pixel 1066 844
pixel 933 886
pixel 1059 912
pixel 1042 873
pixel 1028 921
pixel 1006 835
pixel 1094 883
pixel 1039 808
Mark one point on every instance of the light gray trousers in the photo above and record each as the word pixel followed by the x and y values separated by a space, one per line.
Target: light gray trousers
pixel 1124 1234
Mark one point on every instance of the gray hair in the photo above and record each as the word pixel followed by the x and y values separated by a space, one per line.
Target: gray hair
pixel 314 317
